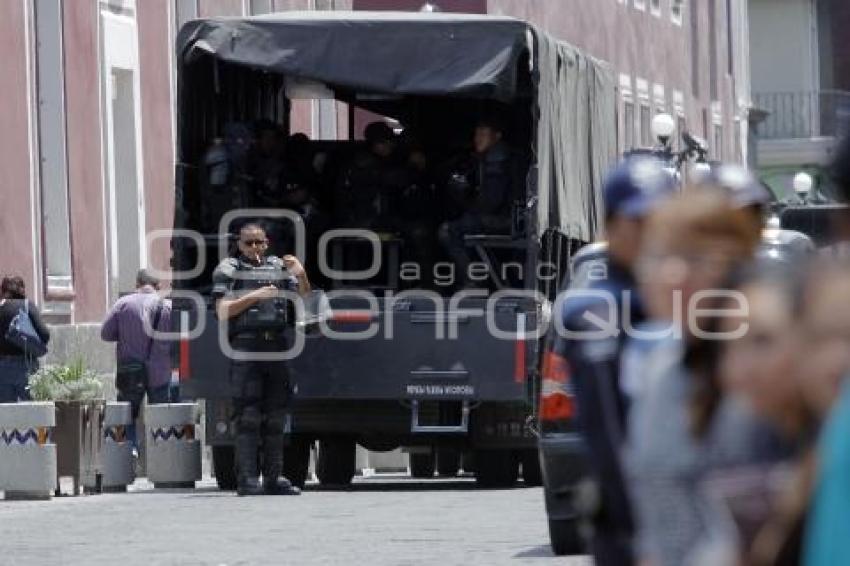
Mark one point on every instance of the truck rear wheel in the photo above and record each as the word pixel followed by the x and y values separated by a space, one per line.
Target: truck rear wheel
pixel 564 537
pixel 296 460
pixel 224 467
pixel 422 465
pixel 496 468
pixel 448 462
pixel 531 474
pixel 336 461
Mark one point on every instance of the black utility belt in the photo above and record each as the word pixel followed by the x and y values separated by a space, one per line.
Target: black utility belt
pixel 266 335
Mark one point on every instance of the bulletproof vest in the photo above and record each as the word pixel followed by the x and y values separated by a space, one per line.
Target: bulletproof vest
pixel 269 314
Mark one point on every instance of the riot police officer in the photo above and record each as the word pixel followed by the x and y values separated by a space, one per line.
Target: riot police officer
pixel 483 190
pixel 247 289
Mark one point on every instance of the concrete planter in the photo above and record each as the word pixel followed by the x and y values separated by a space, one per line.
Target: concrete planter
pixel 116 452
pixel 173 452
pixel 27 452
pixel 78 438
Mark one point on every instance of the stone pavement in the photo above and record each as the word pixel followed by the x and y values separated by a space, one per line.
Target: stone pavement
pixel 381 520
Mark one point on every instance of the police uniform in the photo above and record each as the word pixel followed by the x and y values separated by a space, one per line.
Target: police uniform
pixel 595 374
pixel 261 389
pixel 631 190
pixel 493 180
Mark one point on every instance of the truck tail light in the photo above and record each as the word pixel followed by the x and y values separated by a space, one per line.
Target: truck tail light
pixel 556 399
pixel 352 316
pixel 184 368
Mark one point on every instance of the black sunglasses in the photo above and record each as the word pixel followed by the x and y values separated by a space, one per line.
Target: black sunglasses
pixel 251 243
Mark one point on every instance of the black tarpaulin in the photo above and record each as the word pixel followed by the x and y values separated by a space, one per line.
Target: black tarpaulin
pixel 380 52
pixel 421 54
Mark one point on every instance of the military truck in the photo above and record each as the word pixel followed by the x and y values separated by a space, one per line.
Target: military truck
pixel 394 363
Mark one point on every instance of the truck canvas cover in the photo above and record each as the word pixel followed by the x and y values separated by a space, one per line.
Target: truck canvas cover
pixel 441 55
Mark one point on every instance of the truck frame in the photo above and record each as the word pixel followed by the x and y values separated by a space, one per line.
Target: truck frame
pixel 446 376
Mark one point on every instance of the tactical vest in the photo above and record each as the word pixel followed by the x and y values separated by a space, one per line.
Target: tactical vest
pixel 268 315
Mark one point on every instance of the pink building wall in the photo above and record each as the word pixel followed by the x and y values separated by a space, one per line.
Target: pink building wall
pixel 157 132
pixel 85 183
pixel 640 44
pixel 16 228
pixel 636 43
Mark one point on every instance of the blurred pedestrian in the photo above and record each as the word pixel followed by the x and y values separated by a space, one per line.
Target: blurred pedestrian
pixel 763 498
pixel 827 536
pixel 692 244
pixel 16 364
pixel 745 190
pixel 143 360
pixel 761 367
pixel 828 533
pixel 631 191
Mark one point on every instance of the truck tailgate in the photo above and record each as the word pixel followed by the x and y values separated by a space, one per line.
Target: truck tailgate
pixel 412 354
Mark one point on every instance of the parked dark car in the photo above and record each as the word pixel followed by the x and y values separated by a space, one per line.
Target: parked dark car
pixel 560 446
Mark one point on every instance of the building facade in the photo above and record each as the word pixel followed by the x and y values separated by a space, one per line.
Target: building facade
pixel 801 86
pixel 89 88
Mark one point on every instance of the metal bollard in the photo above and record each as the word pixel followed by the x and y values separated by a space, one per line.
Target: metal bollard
pixel 27 452
pixel 173 451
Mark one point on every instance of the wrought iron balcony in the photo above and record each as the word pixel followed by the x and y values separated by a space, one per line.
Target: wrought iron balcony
pixel 801 115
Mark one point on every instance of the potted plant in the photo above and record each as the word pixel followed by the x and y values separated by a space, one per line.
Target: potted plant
pixel 72 382
pixel 78 395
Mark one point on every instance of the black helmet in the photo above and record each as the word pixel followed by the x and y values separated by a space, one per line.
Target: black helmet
pixel 378 132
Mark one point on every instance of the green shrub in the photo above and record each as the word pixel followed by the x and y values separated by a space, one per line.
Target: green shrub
pixel 71 382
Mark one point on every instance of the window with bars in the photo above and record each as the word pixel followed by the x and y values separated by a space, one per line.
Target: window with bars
pixel 184 10
pixel 712 49
pixel 628 126
pixel 718 142
pixel 730 46
pixel 52 142
pixel 676 8
pixel 695 49
pixel 646 126
pixel 261 7
pixel 655 7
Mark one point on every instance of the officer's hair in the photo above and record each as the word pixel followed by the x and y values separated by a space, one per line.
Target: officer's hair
pixel 251 226
pixel 233 247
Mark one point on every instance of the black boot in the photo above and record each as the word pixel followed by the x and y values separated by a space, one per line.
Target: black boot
pixel 247 482
pixel 273 481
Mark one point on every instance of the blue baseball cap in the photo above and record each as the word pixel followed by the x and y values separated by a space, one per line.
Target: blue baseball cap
pixel 636 185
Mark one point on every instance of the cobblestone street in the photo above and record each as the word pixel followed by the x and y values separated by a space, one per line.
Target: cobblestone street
pixel 382 520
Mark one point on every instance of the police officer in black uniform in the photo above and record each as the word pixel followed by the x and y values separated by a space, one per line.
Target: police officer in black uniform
pixel 247 289
pixel 369 183
pixel 484 189
pixel 630 191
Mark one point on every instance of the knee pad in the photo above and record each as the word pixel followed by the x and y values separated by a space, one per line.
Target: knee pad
pixel 444 234
pixel 249 420
pixel 275 422
pixel 420 233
